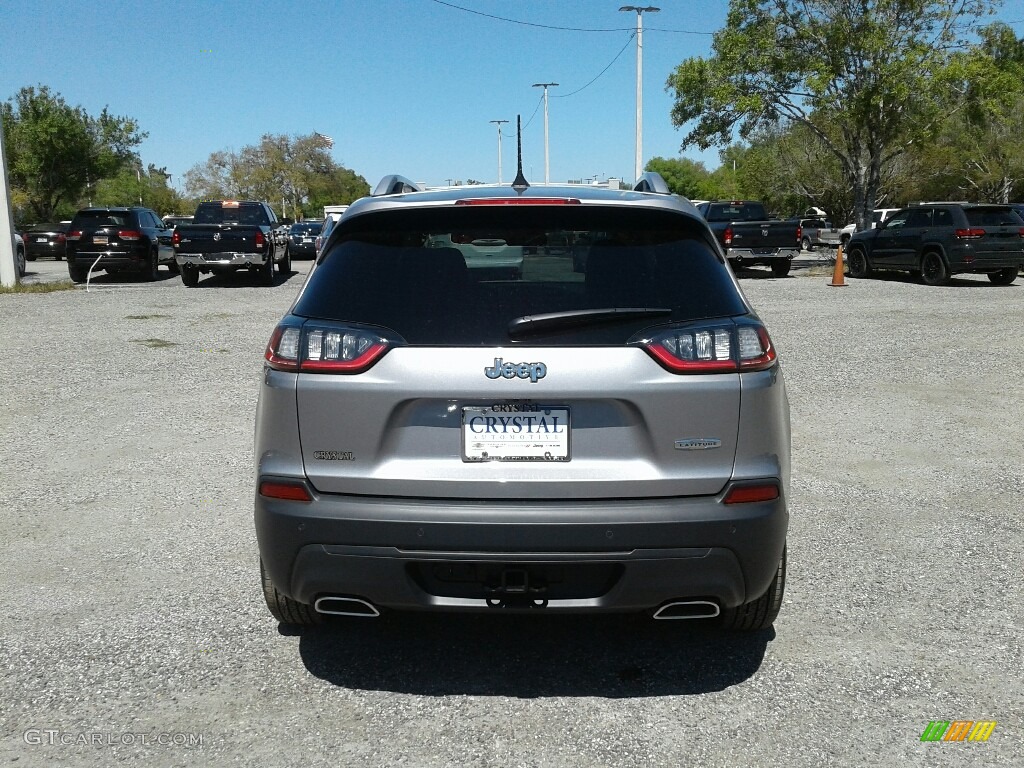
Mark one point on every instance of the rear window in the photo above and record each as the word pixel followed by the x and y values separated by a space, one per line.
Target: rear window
pixel 305 229
pixel 458 276
pixel 48 228
pixel 992 217
pixel 92 219
pixel 736 212
pixel 240 213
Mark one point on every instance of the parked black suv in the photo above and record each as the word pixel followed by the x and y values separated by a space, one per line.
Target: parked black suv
pixel 936 240
pixel 118 239
pixel 302 237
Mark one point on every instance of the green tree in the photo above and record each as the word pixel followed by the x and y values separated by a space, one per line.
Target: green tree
pixel 293 173
pixel 859 75
pixel 686 177
pixel 55 150
pixel 135 186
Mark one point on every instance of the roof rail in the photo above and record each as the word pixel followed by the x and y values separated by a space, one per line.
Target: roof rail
pixel 652 182
pixel 395 185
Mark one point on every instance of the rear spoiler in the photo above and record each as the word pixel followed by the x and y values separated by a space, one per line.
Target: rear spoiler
pixel 395 185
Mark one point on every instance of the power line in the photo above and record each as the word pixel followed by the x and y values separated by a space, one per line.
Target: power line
pixel 566 95
pixel 563 29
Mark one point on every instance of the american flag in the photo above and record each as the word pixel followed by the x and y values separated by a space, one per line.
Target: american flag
pixel 326 139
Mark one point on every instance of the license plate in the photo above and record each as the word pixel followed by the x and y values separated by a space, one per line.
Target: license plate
pixel 40 239
pixel 100 239
pixel 307 239
pixel 764 251
pixel 515 433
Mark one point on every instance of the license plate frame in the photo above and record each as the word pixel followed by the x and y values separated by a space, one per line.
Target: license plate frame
pixel 516 433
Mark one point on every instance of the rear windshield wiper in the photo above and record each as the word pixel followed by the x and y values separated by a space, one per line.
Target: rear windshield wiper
pixel 554 321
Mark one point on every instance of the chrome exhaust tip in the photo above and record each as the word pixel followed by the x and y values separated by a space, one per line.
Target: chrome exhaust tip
pixel 687 609
pixel 345 606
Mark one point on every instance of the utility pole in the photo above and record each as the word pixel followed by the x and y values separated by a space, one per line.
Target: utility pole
pixel 547 166
pixel 638 166
pixel 8 269
pixel 499 123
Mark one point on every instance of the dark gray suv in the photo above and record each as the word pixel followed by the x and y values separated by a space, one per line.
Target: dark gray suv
pixel 934 241
pixel 436 432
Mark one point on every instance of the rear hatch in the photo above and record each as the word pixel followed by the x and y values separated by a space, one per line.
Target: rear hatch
pixel 995 235
pixel 437 380
pixel 103 231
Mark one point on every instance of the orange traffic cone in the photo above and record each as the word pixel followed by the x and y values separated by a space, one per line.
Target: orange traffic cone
pixel 837 273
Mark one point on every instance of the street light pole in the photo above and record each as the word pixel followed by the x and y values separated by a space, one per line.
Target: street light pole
pixel 498 123
pixel 638 165
pixel 547 167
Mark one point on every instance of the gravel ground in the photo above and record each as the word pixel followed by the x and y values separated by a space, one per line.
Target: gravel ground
pixel 134 625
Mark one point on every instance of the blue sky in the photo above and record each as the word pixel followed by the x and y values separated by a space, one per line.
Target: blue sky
pixel 403 86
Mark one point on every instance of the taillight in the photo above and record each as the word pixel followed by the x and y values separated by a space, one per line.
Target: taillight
pixel 747 494
pixel 324 349
pixel 176 238
pixel 129 234
pixel 294 491
pixel 74 234
pixel 713 349
pixel 969 234
pixel 61 237
pixel 260 240
pixel 727 236
pixel 799 233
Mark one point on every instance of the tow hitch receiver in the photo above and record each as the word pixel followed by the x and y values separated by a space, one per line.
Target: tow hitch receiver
pixel 516 590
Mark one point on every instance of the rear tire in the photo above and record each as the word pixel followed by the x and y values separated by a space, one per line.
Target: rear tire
pixel 858 264
pixel 189 275
pixel 759 613
pixel 266 272
pixel 78 274
pixel 933 269
pixel 1003 276
pixel 780 267
pixel 805 244
pixel 151 274
pixel 283 608
pixel 19 262
pixel 285 265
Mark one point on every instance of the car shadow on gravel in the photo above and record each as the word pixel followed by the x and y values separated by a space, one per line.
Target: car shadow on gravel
pixel 129 278
pixel 244 279
pixel 957 281
pixel 530 656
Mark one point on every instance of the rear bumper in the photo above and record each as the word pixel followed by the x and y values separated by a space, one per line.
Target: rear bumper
pixel 43 250
pixel 229 259
pixel 137 258
pixel 742 256
pixel 302 249
pixel 604 555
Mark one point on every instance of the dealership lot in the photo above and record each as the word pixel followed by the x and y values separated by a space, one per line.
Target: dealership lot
pixel 133 605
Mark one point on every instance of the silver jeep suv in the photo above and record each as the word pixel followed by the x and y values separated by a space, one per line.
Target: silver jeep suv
pixel 435 432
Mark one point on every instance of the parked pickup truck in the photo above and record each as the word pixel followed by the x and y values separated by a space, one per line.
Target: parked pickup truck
pixel 749 237
pixel 228 235
pixel 818 233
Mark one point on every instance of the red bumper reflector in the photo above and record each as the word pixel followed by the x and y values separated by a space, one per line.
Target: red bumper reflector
pixel 746 494
pixel 286 491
